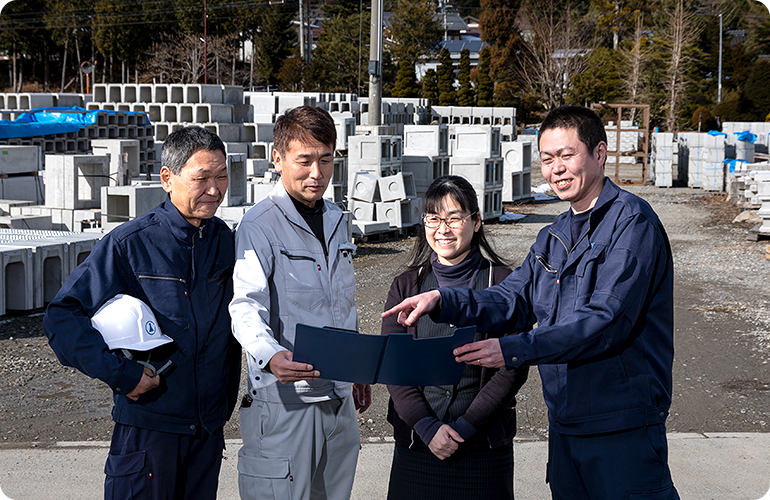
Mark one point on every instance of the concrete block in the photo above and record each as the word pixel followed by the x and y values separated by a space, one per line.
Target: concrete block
pixel 374 149
pixel 346 127
pixel 264 118
pixel 427 140
pixel 232 94
pixel 50 266
pixel 517 156
pixel 228 132
pixel 335 193
pixel 363 227
pixel 261 150
pixel 258 191
pixel 20 159
pixel 33 101
pixel 396 187
pixel 196 94
pixel 257 132
pixel 242 113
pixel 397 213
pixel 236 148
pixel 12 207
pixel 40 222
pixel 479 171
pixel 340 172
pixel 512 186
pixel 124 158
pixel 262 103
pixel 364 187
pixel 362 210
pixel 16 279
pixel 491 203
pixel 256 167
pixel 23 187
pixel 121 204
pixel 218 113
pixel 474 140
pixel 170 113
pixel 80 248
pixel 75 181
pixel 236 180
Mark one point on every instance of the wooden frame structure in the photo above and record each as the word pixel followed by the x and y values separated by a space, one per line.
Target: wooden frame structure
pixel 644 130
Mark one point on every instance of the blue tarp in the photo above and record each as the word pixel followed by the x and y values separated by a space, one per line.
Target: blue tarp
pixel 730 162
pixel 716 132
pixel 746 136
pixel 55 120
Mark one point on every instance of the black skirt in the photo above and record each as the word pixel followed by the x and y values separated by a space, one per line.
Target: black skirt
pixel 472 473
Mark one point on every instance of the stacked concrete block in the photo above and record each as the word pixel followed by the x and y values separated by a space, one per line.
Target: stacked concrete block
pixel 124 203
pixel 424 170
pixel 16 279
pixel 702 157
pixel 75 181
pixel 502 117
pixel 124 158
pixel 346 127
pixel 256 167
pixel 337 188
pixel 236 180
pixel 20 173
pixel 397 113
pixel 763 196
pixel 760 129
pixel 427 140
pixel 474 140
pixel 629 140
pixel 50 266
pixel 517 171
pixel 663 158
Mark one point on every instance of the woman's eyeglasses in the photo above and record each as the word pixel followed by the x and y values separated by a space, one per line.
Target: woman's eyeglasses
pixel 453 222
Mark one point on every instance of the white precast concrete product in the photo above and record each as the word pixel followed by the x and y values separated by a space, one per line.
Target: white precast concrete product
pixel 75 181
pixel 13 207
pixel 490 202
pixel 20 159
pixel 124 203
pixel 397 213
pixel 362 210
pixel 236 148
pixel 393 187
pixel 50 266
pixel 124 158
pixel 256 191
pixel 474 140
pixel 17 279
pixel 335 193
pixel 232 94
pixel 517 156
pixel 374 149
pixel 340 172
pixel 426 140
pixel 364 227
pixel 257 132
pixel 364 187
pixel 346 127
pixel 513 189
pixel 482 172
pixel 33 101
pixel 228 132
pixel 256 167
pixel 263 103
pixel 219 113
pixel 23 187
pixel 197 93
pixel 236 180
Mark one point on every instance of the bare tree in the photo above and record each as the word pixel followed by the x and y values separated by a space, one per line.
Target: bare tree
pixel 553 52
pixel 680 32
pixel 179 59
pixel 637 59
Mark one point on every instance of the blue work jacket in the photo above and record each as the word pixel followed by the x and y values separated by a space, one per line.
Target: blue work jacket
pixel 184 273
pixel 604 314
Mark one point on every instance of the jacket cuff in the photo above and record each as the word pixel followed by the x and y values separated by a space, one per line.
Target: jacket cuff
pixel 513 354
pixel 463 428
pixel 427 427
pixel 129 378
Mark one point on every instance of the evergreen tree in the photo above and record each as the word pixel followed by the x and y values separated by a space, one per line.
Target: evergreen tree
pixel 465 95
pixel 406 81
pixel 486 87
pixel 274 37
pixel 336 60
pixel 446 80
pixel 430 86
pixel 415 29
pixel 757 89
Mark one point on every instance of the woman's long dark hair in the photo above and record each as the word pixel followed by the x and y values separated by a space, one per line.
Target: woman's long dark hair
pixel 461 191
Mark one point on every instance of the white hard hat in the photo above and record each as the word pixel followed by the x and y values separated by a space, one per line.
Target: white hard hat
pixel 126 322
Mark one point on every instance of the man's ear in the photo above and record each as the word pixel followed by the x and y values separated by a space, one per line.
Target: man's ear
pixel 165 178
pixel 277 161
pixel 601 153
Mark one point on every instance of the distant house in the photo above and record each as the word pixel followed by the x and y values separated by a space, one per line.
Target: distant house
pixel 458 35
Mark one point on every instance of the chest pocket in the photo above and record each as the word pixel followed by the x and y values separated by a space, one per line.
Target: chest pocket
pixel 166 294
pixel 302 279
pixel 545 283
pixel 590 262
pixel 344 275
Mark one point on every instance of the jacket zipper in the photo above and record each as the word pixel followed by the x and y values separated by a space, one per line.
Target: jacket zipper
pixel 300 257
pixel 165 278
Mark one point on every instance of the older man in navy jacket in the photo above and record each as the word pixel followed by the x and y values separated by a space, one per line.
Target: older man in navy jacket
pixel 178 259
pixel 599 284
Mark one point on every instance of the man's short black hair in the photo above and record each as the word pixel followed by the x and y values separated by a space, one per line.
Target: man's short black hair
pixel 589 125
pixel 179 146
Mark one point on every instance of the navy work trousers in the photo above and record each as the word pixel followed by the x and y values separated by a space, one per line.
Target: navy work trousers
pixel 153 465
pixel 629 464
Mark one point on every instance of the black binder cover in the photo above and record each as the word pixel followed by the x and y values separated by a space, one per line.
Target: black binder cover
pixel 396 359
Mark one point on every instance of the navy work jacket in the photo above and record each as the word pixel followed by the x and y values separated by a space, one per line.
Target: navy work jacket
pixel 604 314
pixel 184 273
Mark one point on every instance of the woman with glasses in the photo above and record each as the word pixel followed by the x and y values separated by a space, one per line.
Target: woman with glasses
pixel 452 442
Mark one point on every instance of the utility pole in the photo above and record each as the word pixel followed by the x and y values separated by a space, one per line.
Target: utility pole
pixel 375 65
pixel 302 54
pixel 719 85
pixel 205 44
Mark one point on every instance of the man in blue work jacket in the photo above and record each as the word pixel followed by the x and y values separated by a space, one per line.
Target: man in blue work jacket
pixel 178 259
pixel 599 284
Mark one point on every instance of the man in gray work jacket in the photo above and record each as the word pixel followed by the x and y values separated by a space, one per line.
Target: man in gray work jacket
pixel 599 284
pixel 294 264
pixel 178 259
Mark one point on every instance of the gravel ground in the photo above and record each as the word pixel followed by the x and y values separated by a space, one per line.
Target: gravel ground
pixel 722 322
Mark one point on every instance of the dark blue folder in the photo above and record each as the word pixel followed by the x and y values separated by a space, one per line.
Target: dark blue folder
pixel 396 359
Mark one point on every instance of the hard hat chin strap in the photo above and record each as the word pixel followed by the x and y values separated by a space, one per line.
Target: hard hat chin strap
pixel 155 372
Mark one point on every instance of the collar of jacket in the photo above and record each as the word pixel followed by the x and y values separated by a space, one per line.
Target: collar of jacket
pixel 609 193
pixel 332 214
pixel 180 228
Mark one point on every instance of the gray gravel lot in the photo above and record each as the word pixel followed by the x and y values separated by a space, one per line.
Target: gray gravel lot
pixel 722 321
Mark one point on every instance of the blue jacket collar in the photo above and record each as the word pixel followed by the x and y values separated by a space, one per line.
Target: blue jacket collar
pixel 179 227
